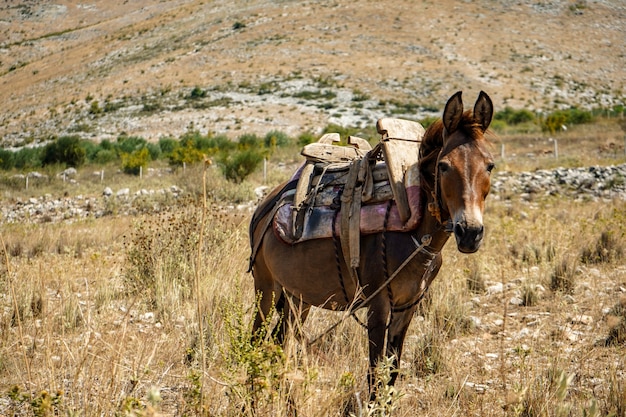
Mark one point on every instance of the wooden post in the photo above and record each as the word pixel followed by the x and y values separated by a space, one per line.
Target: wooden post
pixel 556 149
pixel 140 172
pixel 27 182
pixel 502 154
pixel 102 175
pixel 264 170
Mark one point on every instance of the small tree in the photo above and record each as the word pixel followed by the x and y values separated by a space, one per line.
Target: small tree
pixel 65 150
pixel 132 163
pixel 237 166
pixel 185 154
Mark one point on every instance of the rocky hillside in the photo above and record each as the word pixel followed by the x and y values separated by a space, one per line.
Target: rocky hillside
pixel 155 68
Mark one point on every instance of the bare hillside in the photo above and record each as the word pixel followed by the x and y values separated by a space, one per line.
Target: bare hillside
pixel 155 68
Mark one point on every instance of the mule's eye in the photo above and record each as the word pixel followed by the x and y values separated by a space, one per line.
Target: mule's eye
pixel 490 166
pixel 443 166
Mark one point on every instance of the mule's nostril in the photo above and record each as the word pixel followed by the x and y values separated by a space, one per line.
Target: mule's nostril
pixel 459 230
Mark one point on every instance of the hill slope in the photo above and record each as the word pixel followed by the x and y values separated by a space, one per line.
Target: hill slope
pixel 102 68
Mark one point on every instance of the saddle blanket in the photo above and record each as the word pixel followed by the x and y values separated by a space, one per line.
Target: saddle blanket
pixel 321 221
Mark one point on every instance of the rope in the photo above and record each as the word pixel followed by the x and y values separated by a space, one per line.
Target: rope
pixel 426 239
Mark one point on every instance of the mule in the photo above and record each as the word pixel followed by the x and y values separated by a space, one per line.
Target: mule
pixel 455 165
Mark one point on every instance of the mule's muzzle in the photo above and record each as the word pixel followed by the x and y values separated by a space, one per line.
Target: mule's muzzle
pixel 468 237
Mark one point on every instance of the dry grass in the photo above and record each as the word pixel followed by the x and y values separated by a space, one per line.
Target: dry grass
pixel 105 317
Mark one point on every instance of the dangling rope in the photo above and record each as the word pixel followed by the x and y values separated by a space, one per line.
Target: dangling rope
pixel 426 239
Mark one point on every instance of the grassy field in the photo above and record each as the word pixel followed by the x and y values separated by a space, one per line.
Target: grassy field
pixel 149 314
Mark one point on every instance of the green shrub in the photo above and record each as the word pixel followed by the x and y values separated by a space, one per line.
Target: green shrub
pixel 553 122
pixel 167 145
pixel 27 158
pixel 65 150
pixel 249 141
pixel 306 138
pixel 236 166
pixel 221 143
pixel 129 144
pixel 90 148
pixel 276 138
pixel 197 93
pixel 104 156
pixel 154 150
pixel 7 159
pixel 514 117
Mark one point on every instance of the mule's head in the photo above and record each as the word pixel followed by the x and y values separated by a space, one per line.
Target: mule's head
pixel 463 169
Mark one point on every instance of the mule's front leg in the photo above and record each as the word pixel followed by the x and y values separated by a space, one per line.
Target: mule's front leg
pixel 378 315
pixel 395 337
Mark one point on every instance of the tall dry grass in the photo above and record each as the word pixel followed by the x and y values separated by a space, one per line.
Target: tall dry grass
pixel 150 315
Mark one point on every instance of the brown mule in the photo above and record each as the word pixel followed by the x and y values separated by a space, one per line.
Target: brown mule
pixel 455 166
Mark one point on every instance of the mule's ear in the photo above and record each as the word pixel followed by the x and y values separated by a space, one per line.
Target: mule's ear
pixel 452 113
pixel 483 110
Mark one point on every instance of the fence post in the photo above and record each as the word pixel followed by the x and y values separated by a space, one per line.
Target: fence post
pixel 27 181
pixel 556 149
pixel 102 175
pixel 502 154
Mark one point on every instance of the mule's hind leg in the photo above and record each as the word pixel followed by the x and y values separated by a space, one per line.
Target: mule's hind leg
pixel 292 315
pixel 268 294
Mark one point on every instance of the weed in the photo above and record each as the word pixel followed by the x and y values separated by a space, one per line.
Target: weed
pixel 256 356
pixel 616 319
pixel 606 249
pixel 475 280
pixel 386 397
pixel 563 277
pixel 529 296
pixel 429 355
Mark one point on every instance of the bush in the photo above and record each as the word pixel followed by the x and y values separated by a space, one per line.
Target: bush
pixel 514 117
pixel 7 159
pixel 306 138
pixel 104 156
pixel 185 154
pixel 154 150
pixel 276 138
pixel 197 93
pixel 129 144
pixel 236 166
pixel 222 143
pixel 249 141
pixel 27 158
pixel 167 145
pixel 65 150
pixel 132 163
pixel 90 148
pixel 607 248
pixel 572 116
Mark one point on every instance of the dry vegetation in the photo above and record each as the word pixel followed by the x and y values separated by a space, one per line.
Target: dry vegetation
pixel 150 315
